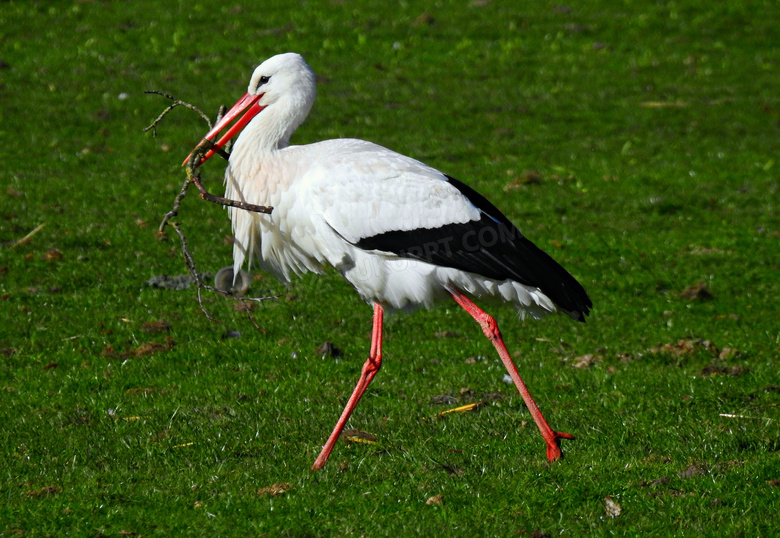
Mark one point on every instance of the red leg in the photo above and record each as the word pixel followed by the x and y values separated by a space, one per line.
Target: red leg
pixel 370 368
pixel 490 328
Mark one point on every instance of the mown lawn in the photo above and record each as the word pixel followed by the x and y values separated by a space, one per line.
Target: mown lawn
pixel 636 142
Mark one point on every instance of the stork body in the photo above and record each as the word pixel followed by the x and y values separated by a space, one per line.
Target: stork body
pixel 402 233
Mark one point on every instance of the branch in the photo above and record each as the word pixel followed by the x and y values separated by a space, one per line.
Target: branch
pixel 193 178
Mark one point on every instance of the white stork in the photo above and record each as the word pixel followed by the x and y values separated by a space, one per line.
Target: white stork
pixel 402 233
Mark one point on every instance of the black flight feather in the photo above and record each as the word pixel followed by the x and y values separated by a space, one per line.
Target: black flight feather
pixel 492 247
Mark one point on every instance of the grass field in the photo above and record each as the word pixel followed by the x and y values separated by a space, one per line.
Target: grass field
pixel 636 142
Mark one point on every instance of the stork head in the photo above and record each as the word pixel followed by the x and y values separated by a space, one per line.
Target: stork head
pixel 283 82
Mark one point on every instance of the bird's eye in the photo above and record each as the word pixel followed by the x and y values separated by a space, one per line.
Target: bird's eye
pixel 263 80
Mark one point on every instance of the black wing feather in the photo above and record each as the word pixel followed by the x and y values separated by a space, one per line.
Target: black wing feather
pixel 492 247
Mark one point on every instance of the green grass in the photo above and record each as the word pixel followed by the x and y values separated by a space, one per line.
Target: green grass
pixel 654 131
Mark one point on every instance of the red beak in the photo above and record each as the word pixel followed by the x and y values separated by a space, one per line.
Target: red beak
pixel 247 103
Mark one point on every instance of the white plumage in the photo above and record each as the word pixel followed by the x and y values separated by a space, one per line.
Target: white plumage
pixel 402 233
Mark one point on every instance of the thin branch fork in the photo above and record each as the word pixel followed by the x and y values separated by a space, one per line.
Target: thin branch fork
pixel 176 102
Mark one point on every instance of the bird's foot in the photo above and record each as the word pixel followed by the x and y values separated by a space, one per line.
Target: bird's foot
pixel 554 445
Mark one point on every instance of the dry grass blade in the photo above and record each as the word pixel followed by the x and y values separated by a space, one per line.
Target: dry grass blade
pixel 462 408
pixel 29 236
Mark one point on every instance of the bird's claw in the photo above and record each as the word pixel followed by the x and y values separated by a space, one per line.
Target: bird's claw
pixel 554 451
